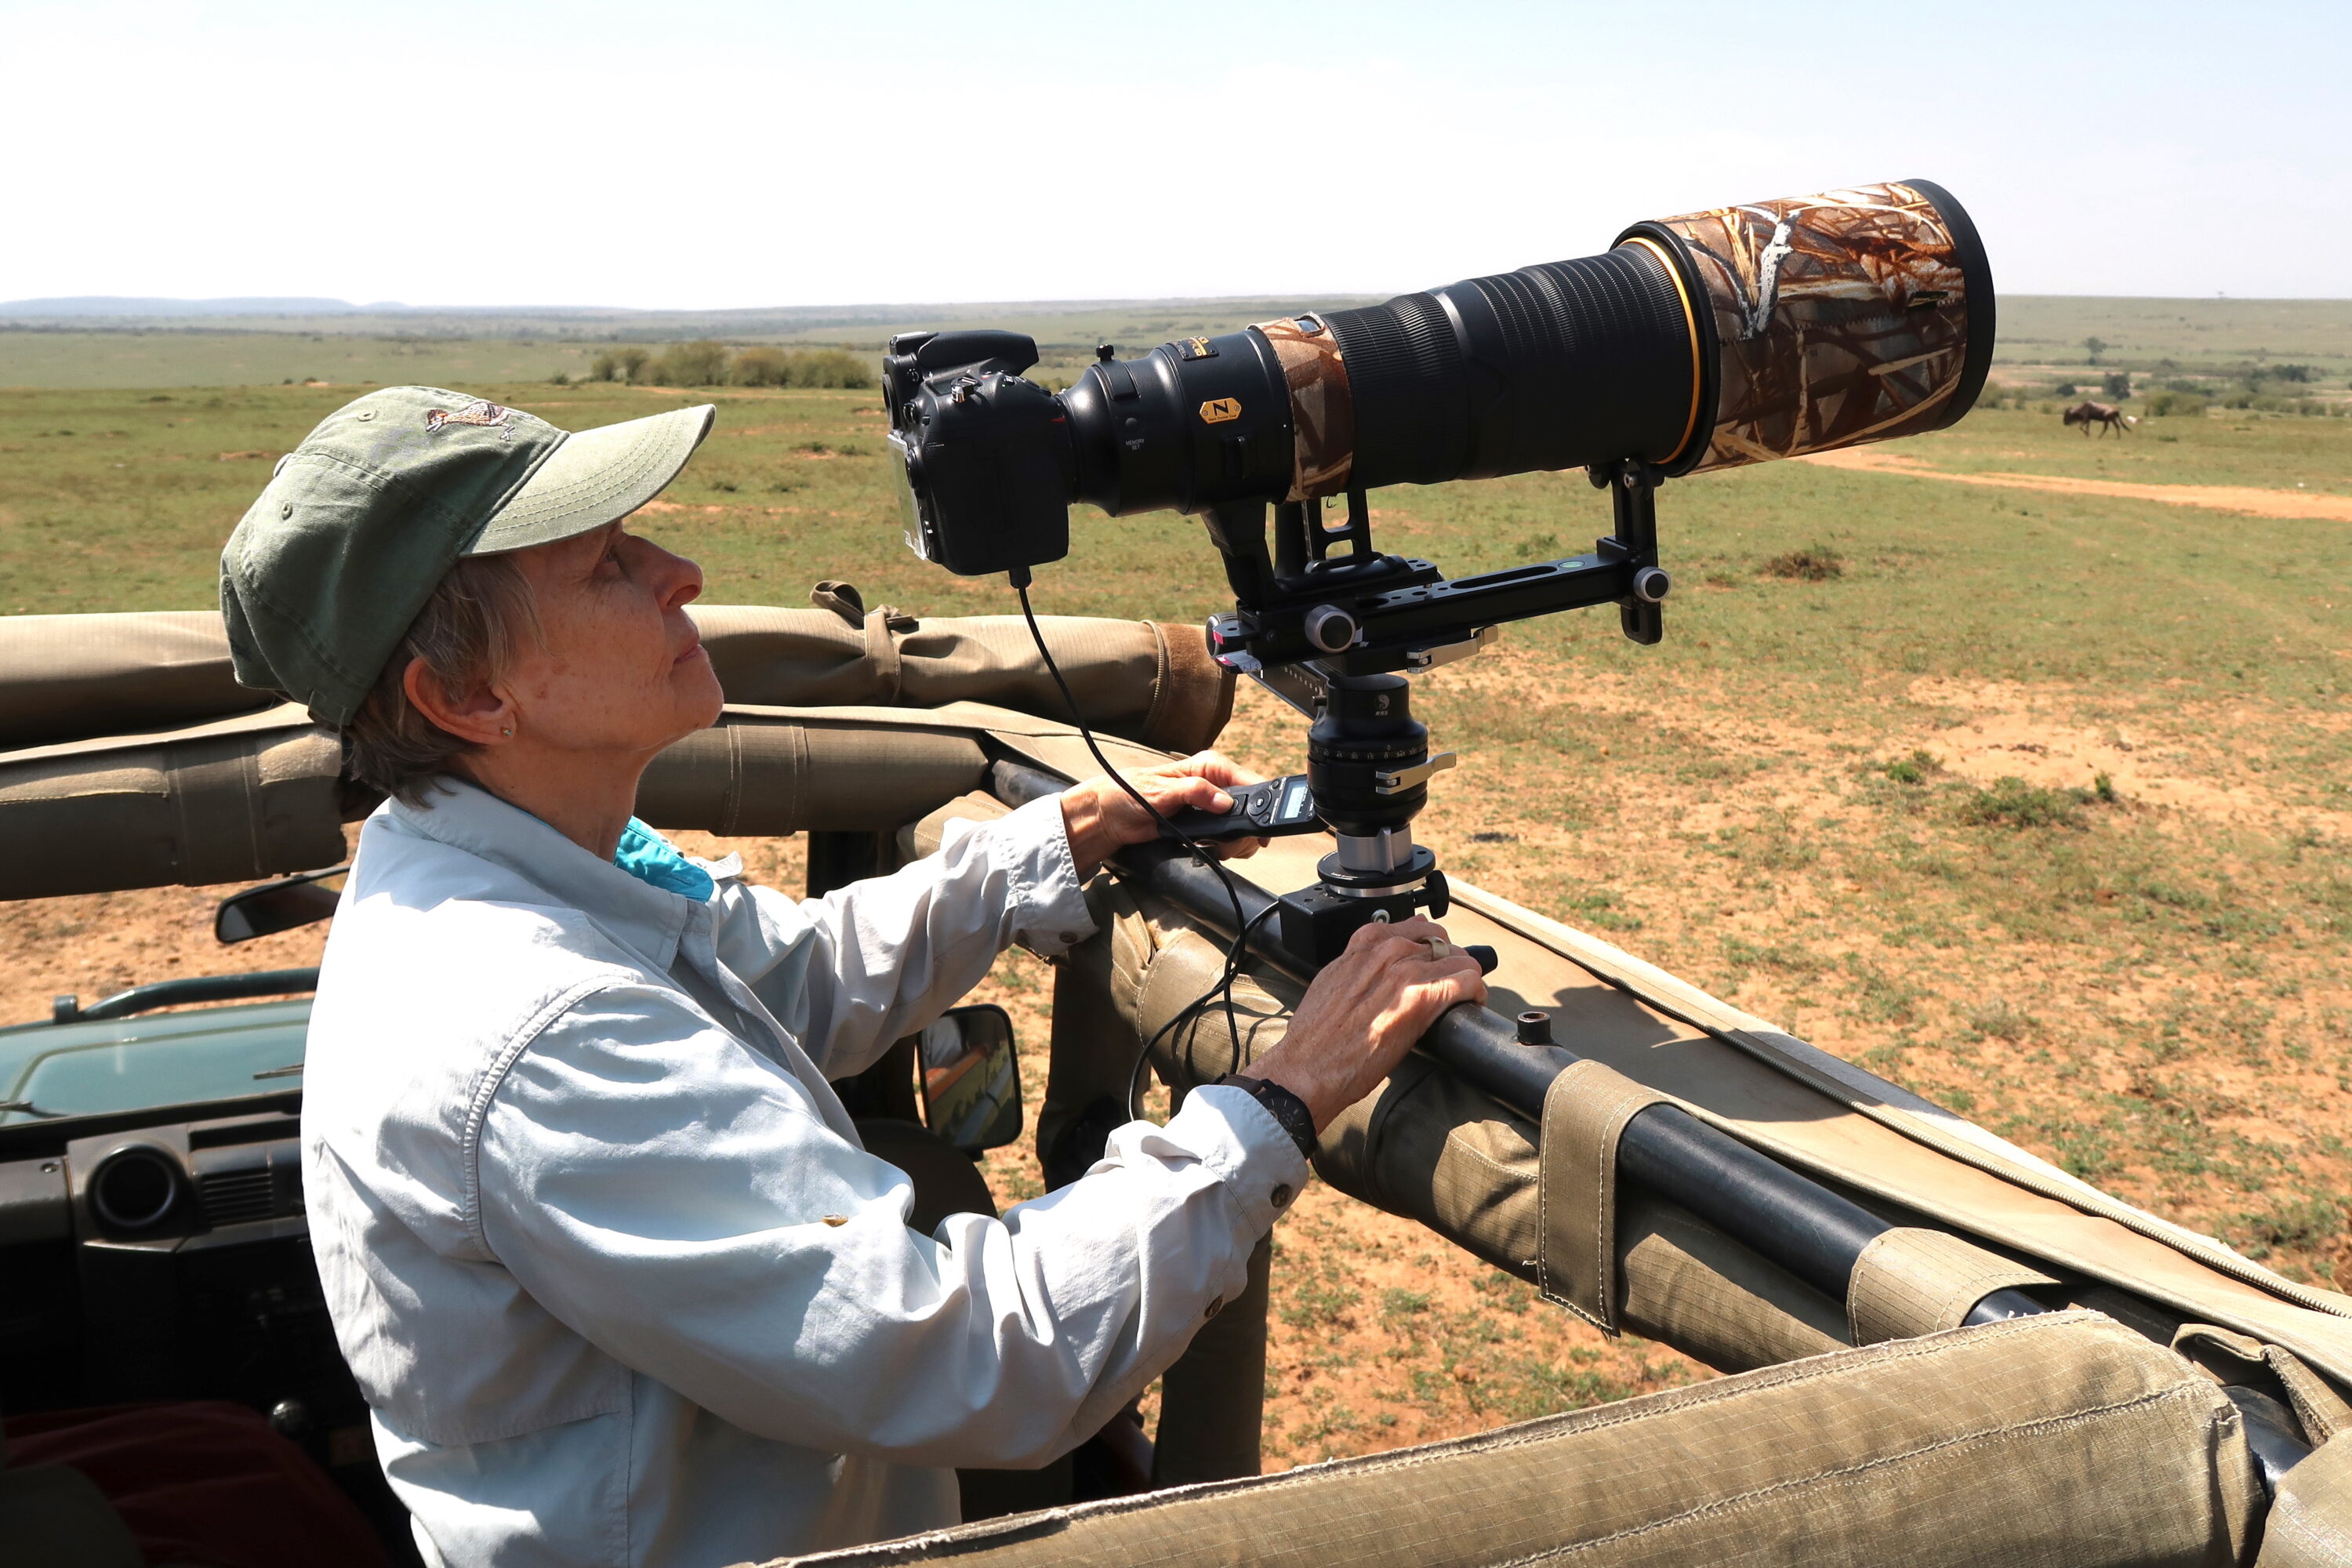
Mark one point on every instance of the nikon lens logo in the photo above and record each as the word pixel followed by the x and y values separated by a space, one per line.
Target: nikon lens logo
pixel 1218 410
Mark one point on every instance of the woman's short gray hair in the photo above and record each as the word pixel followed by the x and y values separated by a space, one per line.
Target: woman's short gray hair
pixel 468 633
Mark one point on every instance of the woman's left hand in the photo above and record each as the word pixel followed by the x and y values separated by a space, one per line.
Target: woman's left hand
pixel 1102 818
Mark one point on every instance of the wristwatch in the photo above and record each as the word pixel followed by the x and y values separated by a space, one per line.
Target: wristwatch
pixel 1284 1107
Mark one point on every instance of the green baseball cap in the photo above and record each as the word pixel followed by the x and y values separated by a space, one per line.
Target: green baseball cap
pixel 327 570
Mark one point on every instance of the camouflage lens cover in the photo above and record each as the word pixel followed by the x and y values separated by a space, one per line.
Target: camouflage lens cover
pixel 1854 315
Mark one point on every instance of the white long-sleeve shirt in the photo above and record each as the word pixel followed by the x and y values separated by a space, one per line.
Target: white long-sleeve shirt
pixel 602 1247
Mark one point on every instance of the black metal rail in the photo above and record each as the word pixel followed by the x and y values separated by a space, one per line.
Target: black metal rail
pixel 1783 1215
pixel 187 990
pixel 1815 1233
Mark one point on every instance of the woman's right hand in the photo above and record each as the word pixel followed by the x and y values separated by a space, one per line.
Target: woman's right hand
pixel 1365 1011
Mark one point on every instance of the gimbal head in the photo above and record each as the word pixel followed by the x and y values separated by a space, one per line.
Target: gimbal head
pixel 1361 612
pixel 1369 617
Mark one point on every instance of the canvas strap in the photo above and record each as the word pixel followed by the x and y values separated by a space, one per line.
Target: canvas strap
pixel 1584 1114
pixel 882 653
pixel 1911 1281
pixel 2322 1410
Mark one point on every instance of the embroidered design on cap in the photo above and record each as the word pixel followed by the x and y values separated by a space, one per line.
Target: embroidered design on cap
pixel 482 413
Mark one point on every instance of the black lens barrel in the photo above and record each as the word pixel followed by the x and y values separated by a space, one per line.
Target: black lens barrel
pixel 1187 425
pixel 1552 366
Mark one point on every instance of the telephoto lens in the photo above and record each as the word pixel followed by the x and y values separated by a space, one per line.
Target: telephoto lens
pixel 1703 342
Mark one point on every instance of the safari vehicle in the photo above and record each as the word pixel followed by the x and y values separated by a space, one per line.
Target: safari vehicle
pixel 2142 1394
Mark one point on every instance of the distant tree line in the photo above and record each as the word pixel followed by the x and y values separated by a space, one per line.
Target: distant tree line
pixel 706 362
pixel 2257 387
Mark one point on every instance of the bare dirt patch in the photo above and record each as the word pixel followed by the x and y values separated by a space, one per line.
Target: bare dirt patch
pixel 2202 762
pixel 2243 498
pixel 94 946
pixel 1381 1336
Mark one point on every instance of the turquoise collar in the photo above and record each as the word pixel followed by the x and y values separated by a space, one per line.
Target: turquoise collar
pixel 656 861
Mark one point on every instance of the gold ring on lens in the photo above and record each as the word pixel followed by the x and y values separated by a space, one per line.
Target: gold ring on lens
pixel 1690 331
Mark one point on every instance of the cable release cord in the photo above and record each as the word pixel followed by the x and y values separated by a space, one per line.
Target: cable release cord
pixel 1242 927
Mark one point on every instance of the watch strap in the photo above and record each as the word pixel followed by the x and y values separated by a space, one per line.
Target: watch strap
pixel 1286 1107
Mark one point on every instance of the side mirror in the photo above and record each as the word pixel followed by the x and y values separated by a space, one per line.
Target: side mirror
pixel 282 905
pixel 972 1079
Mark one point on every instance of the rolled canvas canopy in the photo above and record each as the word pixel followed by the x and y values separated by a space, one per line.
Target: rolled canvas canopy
pixel 136 760
pixel 75 678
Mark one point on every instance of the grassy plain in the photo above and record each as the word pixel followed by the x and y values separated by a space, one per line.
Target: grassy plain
pixel 2194 334
pixel 1867 803
pixel 453 350
pixel 196 357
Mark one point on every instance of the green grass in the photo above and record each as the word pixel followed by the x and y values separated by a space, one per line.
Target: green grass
pixel 2266 452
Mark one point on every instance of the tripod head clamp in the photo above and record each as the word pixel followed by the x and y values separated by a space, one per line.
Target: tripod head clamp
pixel 1335 635
pixel 1304 602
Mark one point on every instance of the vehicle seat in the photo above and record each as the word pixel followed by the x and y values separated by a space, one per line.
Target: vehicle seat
pixel 180 1482
pixel 51 1513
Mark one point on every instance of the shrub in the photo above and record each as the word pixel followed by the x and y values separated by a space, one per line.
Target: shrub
pixel 2064 389
pixel 1912 769
pixel 619 364
pixel 2167 403
pixel 2117 383
pixel 1999 1019
pixel 830 367
pixel 1814 564
pixel 2013 803
pixel 767 366
pixel 762 367
pixel 702 362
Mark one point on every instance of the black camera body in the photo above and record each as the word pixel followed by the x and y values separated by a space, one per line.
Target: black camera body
pixel 993 462
pixel 983 459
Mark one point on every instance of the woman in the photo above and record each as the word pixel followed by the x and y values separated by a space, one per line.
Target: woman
pixel 600 1243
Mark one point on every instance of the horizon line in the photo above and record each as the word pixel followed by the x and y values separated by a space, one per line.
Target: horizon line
pixel 268 307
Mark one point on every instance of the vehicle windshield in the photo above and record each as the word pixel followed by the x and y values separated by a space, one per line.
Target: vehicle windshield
pixel 93 1068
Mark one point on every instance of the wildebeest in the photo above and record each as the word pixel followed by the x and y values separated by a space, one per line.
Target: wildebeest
pixel 2089 414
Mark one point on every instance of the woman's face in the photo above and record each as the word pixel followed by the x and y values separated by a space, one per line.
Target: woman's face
pixel 620 669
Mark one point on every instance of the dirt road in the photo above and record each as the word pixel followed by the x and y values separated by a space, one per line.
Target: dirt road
pixel 2242 499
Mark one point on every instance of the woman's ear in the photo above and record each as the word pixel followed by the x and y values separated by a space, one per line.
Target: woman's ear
pixel 482 715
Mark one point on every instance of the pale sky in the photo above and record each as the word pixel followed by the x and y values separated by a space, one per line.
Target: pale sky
pixel 683 155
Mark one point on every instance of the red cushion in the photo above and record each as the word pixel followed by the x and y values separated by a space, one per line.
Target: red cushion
pixel 205 1482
